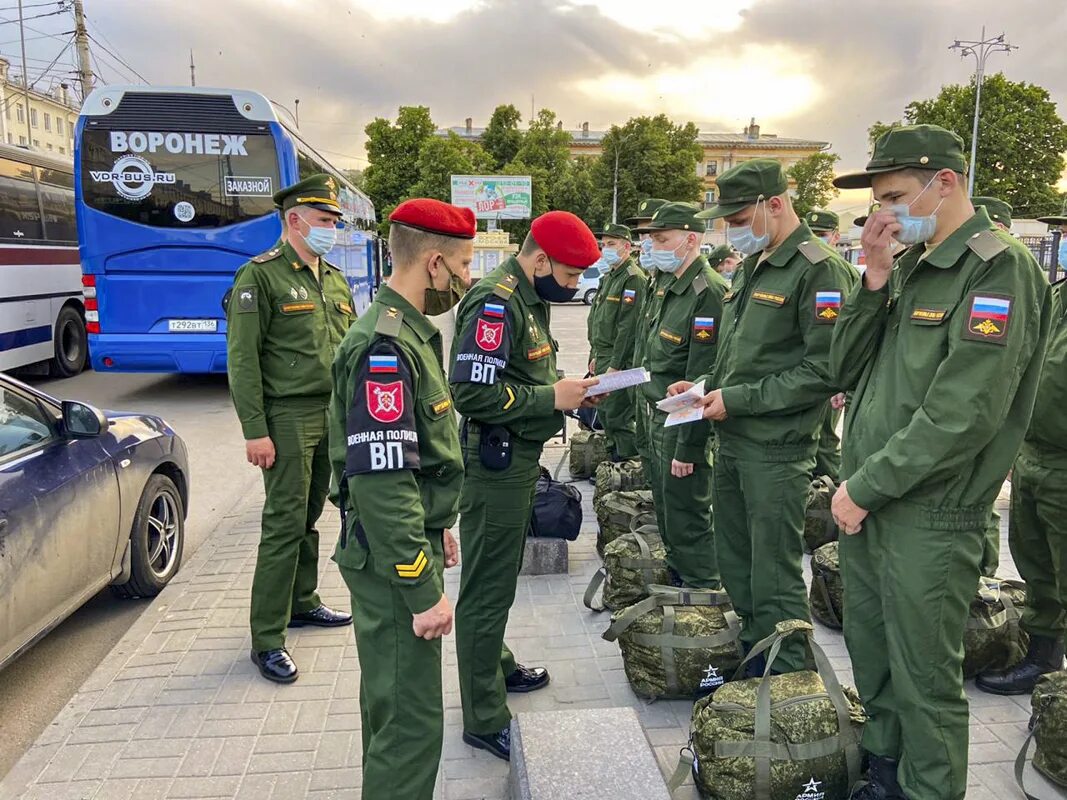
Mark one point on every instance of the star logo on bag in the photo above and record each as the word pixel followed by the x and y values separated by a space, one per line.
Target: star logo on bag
pixel 711 672
pixel 812 785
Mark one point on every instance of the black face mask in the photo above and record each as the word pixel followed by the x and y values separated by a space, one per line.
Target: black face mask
pixel 550 290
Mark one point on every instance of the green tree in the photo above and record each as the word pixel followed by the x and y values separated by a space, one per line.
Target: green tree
pixel 393 151
pixel 874 133
pixel 502 137
pixel 656 158
pixel 442 157
pixel 576 191
pixel 355 176
pixel 814 176
pixel 1021 139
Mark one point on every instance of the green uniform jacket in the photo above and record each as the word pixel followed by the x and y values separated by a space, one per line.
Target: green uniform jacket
pixel 393 437
pixel 945 361
pixel 282 330
pixel 773 367
pixel 681 343
pixel 1046 439
pixel 504 358
pixel 613 318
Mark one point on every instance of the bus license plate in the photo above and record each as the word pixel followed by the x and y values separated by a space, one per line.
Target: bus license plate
pixel 192 325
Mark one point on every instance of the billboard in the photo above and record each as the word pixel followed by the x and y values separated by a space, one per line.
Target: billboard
pixel 494 196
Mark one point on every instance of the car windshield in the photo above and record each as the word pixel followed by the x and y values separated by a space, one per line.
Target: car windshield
pixel 22 424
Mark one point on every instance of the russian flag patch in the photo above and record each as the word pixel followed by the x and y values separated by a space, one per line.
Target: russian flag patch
pixel 990 315
pixel 704 328
pixel 629 295
pixel 379 364
pixel 493 310
pixel 827 306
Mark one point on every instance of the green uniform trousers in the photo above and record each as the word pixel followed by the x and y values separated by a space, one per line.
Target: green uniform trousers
pixel 759 524
pixel 828 457
pixel 616 412
pixel 287 565
pixel 399 687
pixel 908 587
pixel 641 439
pixel 495 509
pixel 1037 535
pixel 683 509
pixel 991 547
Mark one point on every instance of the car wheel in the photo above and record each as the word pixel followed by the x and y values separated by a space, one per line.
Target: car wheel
pixel 157 539
pixel 589 296
pixel 70 342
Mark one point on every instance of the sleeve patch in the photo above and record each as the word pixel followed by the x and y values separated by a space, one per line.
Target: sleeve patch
pixel 629 296
pixel 988 319
pixel 704 329
pixel 484 349
pixel 382 435
pixel 537 353
pixel 415 568
pixel 827 307
pixel 247 300
pixel 772 298
pixel 673 338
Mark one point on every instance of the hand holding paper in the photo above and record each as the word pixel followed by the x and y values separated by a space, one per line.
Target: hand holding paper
pixel 614 381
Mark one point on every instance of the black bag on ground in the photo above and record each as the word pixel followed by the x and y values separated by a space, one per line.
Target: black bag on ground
pixel 557 509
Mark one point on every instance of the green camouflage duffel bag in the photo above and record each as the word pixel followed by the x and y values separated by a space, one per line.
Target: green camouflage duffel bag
pixel 993 639
pixel 587 450
pixel 632 563
pixel 623 476
pixel 1048 727
pixel 677 643
pixel 779 737
pixel 825 597
pixel 819 525
pixel 619 513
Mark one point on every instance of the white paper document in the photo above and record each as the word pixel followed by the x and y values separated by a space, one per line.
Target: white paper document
pixel 682 408
pixel 613 381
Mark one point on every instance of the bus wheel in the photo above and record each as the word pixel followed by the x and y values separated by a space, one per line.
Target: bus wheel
pixel 71 344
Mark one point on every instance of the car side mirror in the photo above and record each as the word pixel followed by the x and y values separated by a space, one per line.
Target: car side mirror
pixel 82 421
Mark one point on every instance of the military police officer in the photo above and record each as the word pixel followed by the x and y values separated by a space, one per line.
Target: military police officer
pixel 768 393
pixel 680 341
pixel 396 459
pixel 288 310
pixel 942 347
pixel 504 382
pixel 612 327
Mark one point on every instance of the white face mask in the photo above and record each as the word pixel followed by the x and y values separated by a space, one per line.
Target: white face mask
pixel 744 241
pixel 668 260
pixel 320 241
pixel 915 229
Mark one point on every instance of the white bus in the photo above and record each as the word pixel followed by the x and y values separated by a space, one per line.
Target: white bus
pixel 42 308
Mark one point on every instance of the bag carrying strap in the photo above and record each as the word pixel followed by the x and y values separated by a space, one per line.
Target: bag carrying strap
pixel 662 596
pixel 644 522
pixel 562 458
pixel 761 749
pixel 818 580
pixel 646 563
pixel 686 766
pixel 591 590
pixel 1020 760
pixel 1008 616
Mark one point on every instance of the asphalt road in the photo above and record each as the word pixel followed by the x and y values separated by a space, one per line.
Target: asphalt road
pixel 36 686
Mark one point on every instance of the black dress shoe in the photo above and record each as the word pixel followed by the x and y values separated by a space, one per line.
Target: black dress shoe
pixel 276 665
pixel 499 743
pixel 526 679
pixel 322 617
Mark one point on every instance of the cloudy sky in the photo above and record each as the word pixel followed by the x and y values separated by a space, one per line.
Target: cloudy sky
pixel 818 69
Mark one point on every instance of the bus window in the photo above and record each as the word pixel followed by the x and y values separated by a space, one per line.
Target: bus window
pixel 20 216
pixel 187 188
pixel 59 215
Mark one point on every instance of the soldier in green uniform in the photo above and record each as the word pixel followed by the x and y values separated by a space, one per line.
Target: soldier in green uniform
pixel 768 393
pixel 505 384
pixel 825 225
pixel 612 327
pixel 1037 525
pixel 396 459
pixel 680 341
pixel 942 347
pixel 288 310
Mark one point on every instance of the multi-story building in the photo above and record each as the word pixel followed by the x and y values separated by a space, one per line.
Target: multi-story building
pixel 46 123
pixel 721 150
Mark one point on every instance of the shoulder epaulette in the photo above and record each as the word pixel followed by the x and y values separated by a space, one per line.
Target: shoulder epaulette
pixel 814 251
pixel 700 284
pixel 270 255
pixel 505 287
pixel 634 271
pixel 389 322
pixel 987 245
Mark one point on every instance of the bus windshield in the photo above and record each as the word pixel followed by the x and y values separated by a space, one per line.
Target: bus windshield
pixel 179 179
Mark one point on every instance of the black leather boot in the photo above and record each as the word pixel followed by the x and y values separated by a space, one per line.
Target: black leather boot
pixel 881 781
pixel 1044 655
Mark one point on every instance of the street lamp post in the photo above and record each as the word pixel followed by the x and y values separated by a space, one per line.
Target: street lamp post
pixel 980 50
pixel 296 109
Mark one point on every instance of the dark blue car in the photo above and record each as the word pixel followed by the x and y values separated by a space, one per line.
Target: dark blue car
pixel 87 499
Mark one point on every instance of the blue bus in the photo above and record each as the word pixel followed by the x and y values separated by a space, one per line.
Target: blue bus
pixel 172 194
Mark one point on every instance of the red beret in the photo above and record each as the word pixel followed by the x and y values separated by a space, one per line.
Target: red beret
pixel 433 216
pixel 565 239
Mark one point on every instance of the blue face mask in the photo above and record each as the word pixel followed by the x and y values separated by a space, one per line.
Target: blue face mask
pixel 913 229
pixel 1063 250
pixel 320 241
pixel 610 256
pixel 645 257
pixel 668 260
pixel 744 241
pixel 552 291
